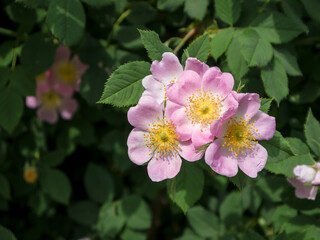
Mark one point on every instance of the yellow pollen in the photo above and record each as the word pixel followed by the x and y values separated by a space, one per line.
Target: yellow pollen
pixel 30 175
pixel 161 138
pixel 240 135
pixel 50 99
pixel 67 72
pixel 203 107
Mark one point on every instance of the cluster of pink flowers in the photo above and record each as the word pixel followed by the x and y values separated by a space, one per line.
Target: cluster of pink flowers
pixel 193 112
pixel 56 86
pixel 306 181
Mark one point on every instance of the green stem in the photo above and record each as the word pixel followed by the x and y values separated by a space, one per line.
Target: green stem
pixel 7 32
pixel 14 60
pixel 185 39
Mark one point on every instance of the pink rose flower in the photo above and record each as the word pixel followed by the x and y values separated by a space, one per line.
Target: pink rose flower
pixel 200 98
pixel 155 138
pixel 236 139
pixel 306 179
pixel 66 73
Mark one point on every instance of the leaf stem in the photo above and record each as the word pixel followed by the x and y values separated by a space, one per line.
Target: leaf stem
pixel 14 59
pixel 7 32
pixel 185 39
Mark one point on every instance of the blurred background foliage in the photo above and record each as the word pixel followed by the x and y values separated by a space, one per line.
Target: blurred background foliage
pixel 73 179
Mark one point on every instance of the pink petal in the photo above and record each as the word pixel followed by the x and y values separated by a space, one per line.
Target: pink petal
pixel 68 107
pixel 304 173
pixel 138 152
pixel 32 102
pixel 219 83
pixel 47 115
pixel 183 125
pixel 201 136
pixel 303 191
pixel 160 168
pixel 265 124
pixel 188 83
pixel 168 69
pixel 80 67
pixel 64 89
pixel 197 66
pixel 220 159
pixel 229 107
pixel 62 54
pixel 146 111
pixel 154 89
pixel 188 151
pixel 253 161
pixel 249 104
pixel 171 107
pixel 316 180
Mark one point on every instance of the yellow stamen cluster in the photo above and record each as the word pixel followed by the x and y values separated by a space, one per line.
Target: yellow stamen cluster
pixel 67 72
pixel 161 138
pixel 50 99
pixel 240 135
pixel 30 175
pixel 203 107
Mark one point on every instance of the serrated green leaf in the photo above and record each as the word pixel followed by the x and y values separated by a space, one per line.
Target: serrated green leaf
pixel 56 184
pixel 313 8
pixel 66 20
pixel 84 212
pixel 196 8
pixel 228 10
pixel 98 183
pixel 288 60
pixel 275 80
pixel 276 27
pixel 199 48
pixel 203 222
pixel 256 51
pixel 183 189
pixel 11 108
pixel 124 86
pixel 5 188
pixel 297 146
pixel 155 48
pixel 265 104
pixel 6 234
pixel 220 42
pixel 312 133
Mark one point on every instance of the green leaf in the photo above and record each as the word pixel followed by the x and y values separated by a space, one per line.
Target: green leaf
pixel 297 146
pixel 92 82
pixel 288 60
pixel 183 189
pixel 204 223
pixel 6 53
pixel 200 49
pixel 251 235
pixel 34 3
pixel 275 80
pixel 281 215
pixel 84 212
pixel 220 42
pixel 196 8
pixel 128 234
pixel 124 86
pixel 276 27
pixel 4 76
pixel 136 212
pixel 155 48
pixel 313 8
pixel 231 209
pixel 294 10
pixel 256 51
pixel 54 158
pixel 20 14
pixel 128 37
pixel 6 234
pixel 169 5
pixel 56 184
pixel 110 222
pixel 236 61
pixel 66 20
pixel 11 108
pixel 142 13
pixel 23 83
pixel 5 187
pixel 37 54
pixel 98 3
pixel 228 10
pixel 265 104
pixel 312 133
pixel 98 183
pixel 240 180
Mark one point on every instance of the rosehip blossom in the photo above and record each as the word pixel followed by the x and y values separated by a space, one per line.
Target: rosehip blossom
pixel 66 73
pixel 49 103
pixel 306 179
pixel 236 139
pixel 155 138
pixel 201 97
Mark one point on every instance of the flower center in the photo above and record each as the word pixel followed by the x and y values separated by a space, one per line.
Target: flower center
pixel 30 175
pixel 67 72
pixel 50 99
pixel 240 135
pixel 161 138
pixel 203 107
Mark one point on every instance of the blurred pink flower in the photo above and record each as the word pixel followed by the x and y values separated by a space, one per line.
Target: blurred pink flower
pixel 236 143
pixel 66 73
pixel 306 179
pixel 155 138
